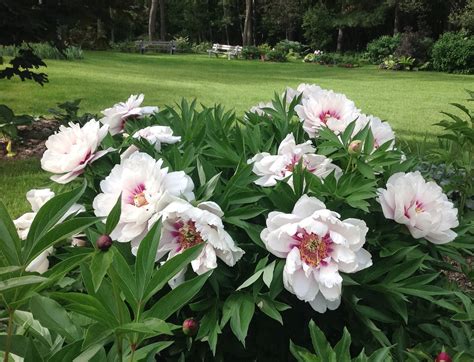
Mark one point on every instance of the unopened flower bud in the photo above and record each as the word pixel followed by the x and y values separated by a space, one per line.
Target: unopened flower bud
pixel 104 242
pixel 355 147
pixel 443 357
pixel 190 327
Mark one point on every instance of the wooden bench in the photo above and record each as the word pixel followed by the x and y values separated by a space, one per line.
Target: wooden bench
pixel 144 45
pixel 229 50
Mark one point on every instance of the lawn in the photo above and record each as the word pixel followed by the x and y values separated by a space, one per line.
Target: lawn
pixel 410 101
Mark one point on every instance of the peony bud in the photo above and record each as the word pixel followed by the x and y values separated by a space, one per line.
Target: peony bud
pixel 443 357
pixel 104 242
pixel 190 327
pixel 355 147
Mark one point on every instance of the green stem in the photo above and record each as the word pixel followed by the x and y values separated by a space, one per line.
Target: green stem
pixel 9 335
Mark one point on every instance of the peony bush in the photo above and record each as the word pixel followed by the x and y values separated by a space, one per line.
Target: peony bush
pixel 188 233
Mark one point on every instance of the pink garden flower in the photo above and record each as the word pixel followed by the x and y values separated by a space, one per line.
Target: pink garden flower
pixel 317 246
pixel 421 206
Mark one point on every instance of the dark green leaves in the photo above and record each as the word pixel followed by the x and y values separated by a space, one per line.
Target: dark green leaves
pixel 114 216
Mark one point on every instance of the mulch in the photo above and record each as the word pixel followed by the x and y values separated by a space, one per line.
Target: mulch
pixel 31 140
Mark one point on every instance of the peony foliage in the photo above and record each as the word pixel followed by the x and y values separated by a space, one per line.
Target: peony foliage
pixel 304 209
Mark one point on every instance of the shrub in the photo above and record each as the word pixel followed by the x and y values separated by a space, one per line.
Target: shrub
pixel 250 52
pixel 264 49
pixel 398 63
pixel 291 46
pixel 454 53
pixel 9 123
pixel 202 47
pixel 242 226
pixel 44 51
pixel 182 44
pixel 277 55
pixel 380 48
pixel 124 46
pixel 414 45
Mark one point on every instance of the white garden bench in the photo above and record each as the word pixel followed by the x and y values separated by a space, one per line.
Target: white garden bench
pixel 143 45
pixel 229 50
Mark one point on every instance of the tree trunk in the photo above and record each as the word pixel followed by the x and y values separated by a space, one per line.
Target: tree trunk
pixel 112 25
pixel 248 34
pixel 162 20
pixel 340 35
pixel 396 20
pixel 152 20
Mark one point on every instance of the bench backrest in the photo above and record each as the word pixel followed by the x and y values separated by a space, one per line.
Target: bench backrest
pixel 154 42
pixel 225 47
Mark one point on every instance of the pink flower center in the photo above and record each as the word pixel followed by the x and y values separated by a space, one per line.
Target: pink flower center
pixel 137 196
pixel 313 248
pixel 418 205
pixel 324 116
pixel 127 118
pixel 294 161
pixel 187 235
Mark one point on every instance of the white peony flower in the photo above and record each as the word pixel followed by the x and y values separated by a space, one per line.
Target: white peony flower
pixel 143 184
pixel 37 198
pixel 308 90
pixel 155 135
pixel 272 168
pixel 421 206
pixel 259 108
pixel 382 131
pixel 326 108
pixel 185 226
pixel 317 246
pixel 70 150
pixel 120 113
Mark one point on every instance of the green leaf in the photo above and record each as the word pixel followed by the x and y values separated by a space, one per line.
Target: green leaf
pixel 26 321
pixel 18 282
pixel 251 280
pixel 10 244
pixel 178 297
pixel 67 353
pixel 100 264
pixel 169 269
pixel 9 269
pixel 145 261
pixel 342 348
pixel 242 316
pixel 59 232
pixel 268 274
pixel 114 216
pixel 51 212
pixel 380 355
pixel 302 354
pixel 320 343
pixel 153 326
pixel 123 276
pixel 148 352
pixel 54 317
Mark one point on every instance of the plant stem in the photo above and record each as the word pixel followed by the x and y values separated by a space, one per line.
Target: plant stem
pixel 9 335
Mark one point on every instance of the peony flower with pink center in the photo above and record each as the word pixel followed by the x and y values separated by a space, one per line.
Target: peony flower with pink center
pixel 37 198
pixel 326 108
pixel 273 168
pixel 144 184
pixel 120 113
pixel 317 246
pixel 70 150
pixel 421 206
pixel 184 226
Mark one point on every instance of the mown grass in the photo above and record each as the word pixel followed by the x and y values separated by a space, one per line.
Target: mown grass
pixel 410 101
pixel 16 178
